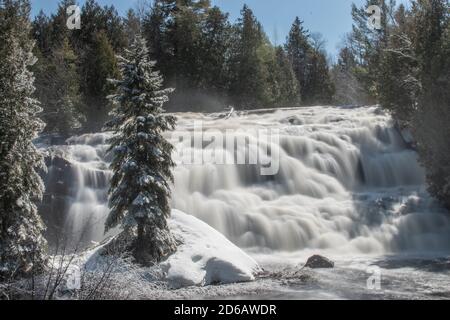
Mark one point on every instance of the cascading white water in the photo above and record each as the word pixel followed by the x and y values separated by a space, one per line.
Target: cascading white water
pixel 85 186
pixel 347 184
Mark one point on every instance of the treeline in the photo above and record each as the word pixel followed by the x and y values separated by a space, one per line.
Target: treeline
pixel 405 66
pixel 211 61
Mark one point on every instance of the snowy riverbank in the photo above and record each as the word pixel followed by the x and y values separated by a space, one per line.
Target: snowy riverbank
pixel 204 257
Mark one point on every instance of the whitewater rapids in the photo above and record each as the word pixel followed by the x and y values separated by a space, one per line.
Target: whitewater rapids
pixel 348 186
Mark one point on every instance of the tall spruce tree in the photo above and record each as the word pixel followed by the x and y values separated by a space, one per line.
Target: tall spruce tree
pixel 22 246
pixel 215 44
pixel 142 163
pixel 154 27
pixel 189 41
pixel 310 65
pixel 288 94
pixel 42 32
pixel 297 48
pixel 101 37
pixel 99 64
pixel 398 85
pixel 348 89
pixel 248 80
pixel 369 43
pixel 319 88
pixel 280 84
pixel 97 19
pixel 58 89
pixel 132 24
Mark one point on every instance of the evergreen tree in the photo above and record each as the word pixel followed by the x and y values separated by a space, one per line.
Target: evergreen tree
pixel 173 29
pixel 22 246
pixel 154 26
pixel 297 48
pixel 309 63
pixel 98 65
pixel 114 27
pixel 140 191
pixel 58 89
pixel 289 95
pixel 185 35
pixel 368 44
pixel 42 32
pixel 398 85
pixel 249 74
pixel 95 20
pixel 348 89
pixel 132 24
pixel 183 38
pixel 103 34
pixel 215 44
pixel 282 81
pixel 319 88
pixel 59 30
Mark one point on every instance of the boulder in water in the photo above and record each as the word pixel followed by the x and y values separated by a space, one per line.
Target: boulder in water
pixel 319 262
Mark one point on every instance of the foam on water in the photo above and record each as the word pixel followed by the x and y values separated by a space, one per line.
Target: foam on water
pixel 347 184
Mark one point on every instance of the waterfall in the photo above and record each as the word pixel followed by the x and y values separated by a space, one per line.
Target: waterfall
pixel 347 183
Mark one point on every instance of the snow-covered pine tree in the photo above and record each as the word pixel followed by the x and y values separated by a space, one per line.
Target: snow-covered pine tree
pixel 140 191
pixel 22 246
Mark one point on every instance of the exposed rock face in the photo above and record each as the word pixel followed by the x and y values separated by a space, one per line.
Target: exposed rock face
pixel 58 180
pixel 319 262
pixel 77 177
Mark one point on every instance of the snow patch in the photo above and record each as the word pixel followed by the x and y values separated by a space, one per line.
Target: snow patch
pixel 205 256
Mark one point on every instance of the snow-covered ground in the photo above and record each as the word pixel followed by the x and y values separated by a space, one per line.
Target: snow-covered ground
pixel 204 257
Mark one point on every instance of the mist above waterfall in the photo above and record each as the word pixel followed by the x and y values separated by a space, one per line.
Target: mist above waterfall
pixel 347 183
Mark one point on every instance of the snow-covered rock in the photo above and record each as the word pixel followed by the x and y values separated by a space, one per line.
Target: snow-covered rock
pixel 205 256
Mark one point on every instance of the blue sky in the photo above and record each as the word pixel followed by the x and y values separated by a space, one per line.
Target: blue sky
pixel 330 17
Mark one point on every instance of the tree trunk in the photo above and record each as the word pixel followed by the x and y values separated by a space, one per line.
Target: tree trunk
pixel 139 252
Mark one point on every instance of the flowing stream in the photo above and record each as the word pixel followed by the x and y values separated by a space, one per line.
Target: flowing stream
pixel 347 186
